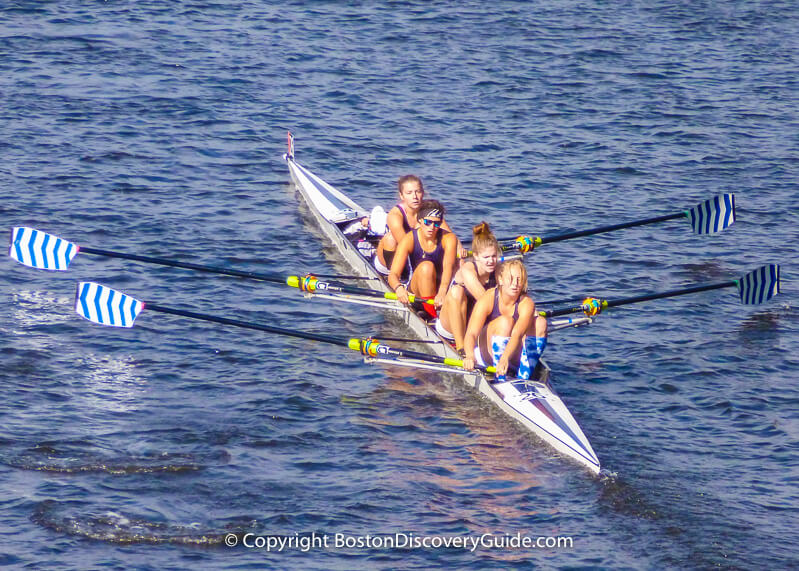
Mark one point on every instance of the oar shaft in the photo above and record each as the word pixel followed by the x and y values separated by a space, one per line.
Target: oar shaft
pixel 355 344
pixel 611 228
pixel 311 284
pixel 375 349
pixel 673 293
pixel 186 265
pixel 248 325
pixel 640 298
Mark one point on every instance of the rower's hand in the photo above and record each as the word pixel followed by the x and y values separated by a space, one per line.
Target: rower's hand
pixel 439 300
pixel 402 294
pixel 468 363
pixel 502 366
pixel 462 252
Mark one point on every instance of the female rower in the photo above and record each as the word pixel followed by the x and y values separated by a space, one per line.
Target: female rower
pixel 470 283
pixel 504 329
pixel 400 220
pixel 430 251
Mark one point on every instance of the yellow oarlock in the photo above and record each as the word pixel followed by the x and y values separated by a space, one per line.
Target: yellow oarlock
pixel 308 283
pixel 305 283
pixel 371 348
pixel 592 306
pixel 366 347
pixel 528 243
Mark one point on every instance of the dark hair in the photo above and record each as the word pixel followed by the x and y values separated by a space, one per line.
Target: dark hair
pixel 428 206
pixel 409 178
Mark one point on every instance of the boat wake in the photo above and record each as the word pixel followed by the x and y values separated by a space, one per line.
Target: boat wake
pixel 46 458
pixel 114 527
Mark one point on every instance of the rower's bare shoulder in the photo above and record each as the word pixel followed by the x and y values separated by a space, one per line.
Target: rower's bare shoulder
pixel 487 298
pixel 526 305
pixel 406 242
pixel 394 215
pixel 468 270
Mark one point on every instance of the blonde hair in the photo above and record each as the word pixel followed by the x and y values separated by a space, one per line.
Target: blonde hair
pixel 506 267
pixel 483 238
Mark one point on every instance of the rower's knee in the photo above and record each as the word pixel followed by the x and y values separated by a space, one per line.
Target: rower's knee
pixel 454 299
pixel 426 270
pixel 388 242
pixel 502 326
pixel 424 278
pixel 457 294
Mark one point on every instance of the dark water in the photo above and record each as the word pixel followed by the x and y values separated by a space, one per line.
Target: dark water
pixel 157 128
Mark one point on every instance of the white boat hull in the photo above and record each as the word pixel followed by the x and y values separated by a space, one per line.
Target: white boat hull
pixel 533 404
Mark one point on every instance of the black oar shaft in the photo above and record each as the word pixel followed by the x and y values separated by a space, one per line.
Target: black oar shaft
pixel 248 325
pixel 611 228
pixel 340 341
pixel 672 293
pixel 185 265
pixel 640 298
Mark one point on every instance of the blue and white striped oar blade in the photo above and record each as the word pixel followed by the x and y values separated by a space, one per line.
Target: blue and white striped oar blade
pixel 40 250
pixel 713 215
pixel 760 285
pixel 106 306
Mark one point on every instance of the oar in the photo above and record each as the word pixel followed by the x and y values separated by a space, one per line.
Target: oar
pixel 756 287
pixel 105 306
pixel 44 251
pixel 707 217
pixel 312 284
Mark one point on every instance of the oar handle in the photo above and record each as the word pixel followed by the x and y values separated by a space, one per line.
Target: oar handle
pixel 186 265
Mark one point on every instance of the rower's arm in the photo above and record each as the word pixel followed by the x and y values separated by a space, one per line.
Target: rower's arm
pixel 526 316
pixel 476 323
pixel 471 281
pixel 460 251
pixel 450 243
pixel 400 259
pixel 396 228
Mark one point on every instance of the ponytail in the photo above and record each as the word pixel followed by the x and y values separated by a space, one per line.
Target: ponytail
pixel 483 238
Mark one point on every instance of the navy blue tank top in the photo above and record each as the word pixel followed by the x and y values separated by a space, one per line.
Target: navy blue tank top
pixel 436 256
pixel 405 224
pixel 495 310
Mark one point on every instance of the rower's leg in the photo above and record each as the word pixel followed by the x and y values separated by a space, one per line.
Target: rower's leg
pixel 453 314
pixel 498 331
pixel 423 280
pixel 501 326
pixel 386 249
pixel 534 344
pixel 540 328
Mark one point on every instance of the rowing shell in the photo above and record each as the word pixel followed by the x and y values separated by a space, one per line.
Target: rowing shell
pixel 534 404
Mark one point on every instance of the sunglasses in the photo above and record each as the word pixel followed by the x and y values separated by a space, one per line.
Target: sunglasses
pixel 435 223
